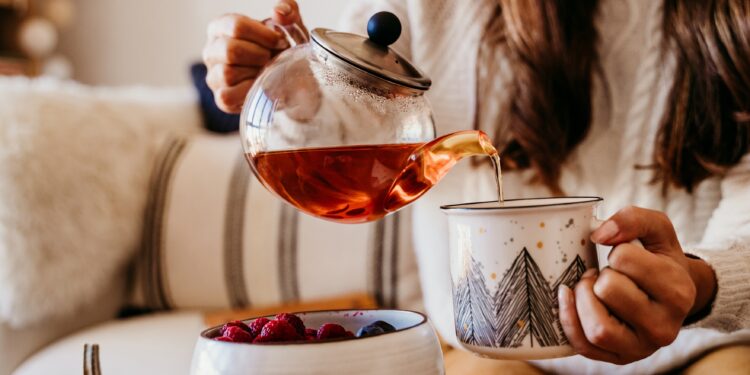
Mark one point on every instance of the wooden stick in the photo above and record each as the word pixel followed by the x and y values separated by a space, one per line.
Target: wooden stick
pixel 91 365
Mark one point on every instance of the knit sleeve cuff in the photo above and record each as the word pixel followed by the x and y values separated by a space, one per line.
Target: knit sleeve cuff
pixel 730 308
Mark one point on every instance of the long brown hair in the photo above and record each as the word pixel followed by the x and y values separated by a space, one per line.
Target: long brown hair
pixel 705 127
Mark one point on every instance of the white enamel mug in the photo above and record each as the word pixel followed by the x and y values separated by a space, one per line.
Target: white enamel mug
pixel 507 262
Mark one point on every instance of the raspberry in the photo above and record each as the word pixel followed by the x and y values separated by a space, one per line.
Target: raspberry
pixel 237 324
pixel 294 320
pixel 237 334
pixel 222 338
pixel 257 325
pixel 277 330
pixel 311 332
pixel 331 331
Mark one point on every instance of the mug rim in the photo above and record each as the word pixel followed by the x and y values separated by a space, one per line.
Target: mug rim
pixel 573 200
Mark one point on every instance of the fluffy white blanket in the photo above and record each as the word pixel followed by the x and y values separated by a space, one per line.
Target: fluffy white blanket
pixel 74 169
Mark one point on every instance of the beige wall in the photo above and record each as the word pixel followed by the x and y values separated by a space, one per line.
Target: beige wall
pixel 125 42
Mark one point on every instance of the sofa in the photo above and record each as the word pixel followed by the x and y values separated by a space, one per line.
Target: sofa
pixel 124 223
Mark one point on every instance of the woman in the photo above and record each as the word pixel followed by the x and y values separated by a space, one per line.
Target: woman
pixel 643 102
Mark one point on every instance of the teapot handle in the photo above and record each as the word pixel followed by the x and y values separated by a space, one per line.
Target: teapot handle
pixel 293 33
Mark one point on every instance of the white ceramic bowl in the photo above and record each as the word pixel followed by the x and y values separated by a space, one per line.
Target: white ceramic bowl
pixel 413 349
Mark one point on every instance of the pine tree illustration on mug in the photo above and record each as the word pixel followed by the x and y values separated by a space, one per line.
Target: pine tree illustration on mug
pixel 523 304
pixel 569 277
pixel 474 308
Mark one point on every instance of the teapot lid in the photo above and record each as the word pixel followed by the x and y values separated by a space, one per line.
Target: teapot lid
pixel 373 54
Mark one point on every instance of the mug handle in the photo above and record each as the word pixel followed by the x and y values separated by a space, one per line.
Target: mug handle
pixel 293 33
pixel 602 252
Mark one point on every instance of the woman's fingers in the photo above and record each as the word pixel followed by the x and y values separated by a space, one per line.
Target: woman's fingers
pixel 224 75
pixel 639 265
pixel 224 50
pixel 652 228
pixel 599 326
pixel 649 288
pixel 238 48
pixel 623 298
pixel 233 64
pixel 571 325
pixel 230 98
pixel 287 12
pixel 236 26
pixel 659 276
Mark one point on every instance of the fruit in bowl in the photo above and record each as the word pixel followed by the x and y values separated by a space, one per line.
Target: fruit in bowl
pixel 321 342
pixel 288 327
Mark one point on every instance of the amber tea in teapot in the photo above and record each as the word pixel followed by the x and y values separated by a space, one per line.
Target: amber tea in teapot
pixel 354 184
pixel 346 184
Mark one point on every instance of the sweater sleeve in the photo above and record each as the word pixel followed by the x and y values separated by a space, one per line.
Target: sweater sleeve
pixel 726 247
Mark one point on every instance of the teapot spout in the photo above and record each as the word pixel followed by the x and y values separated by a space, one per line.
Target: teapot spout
pixel 429 163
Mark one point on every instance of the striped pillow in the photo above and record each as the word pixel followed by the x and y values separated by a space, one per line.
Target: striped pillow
pixel 214 237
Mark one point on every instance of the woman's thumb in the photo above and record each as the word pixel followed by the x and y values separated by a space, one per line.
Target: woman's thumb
pixel 286 12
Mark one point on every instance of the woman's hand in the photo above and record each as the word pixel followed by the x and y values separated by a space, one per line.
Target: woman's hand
pixel 238 48
pixel 639 303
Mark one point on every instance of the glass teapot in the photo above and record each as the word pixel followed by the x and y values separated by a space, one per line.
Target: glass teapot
pixel 338 125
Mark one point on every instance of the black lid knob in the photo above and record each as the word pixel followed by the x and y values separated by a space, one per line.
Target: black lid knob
pixel 384 28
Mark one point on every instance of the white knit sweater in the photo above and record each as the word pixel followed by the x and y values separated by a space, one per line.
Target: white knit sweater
pixel 442 38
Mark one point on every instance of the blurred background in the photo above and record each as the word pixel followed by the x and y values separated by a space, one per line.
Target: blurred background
pixel 123 42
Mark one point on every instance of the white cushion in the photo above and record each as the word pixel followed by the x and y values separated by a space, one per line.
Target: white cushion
pixel 152 344
pixel 74 169
pixel 216 238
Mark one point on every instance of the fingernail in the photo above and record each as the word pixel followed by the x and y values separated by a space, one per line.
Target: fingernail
pixel 282 43
pixel 283 9
pixel 590 273
pixel 605 232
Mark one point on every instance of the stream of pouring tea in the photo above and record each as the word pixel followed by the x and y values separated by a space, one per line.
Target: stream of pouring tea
pixel 498 176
